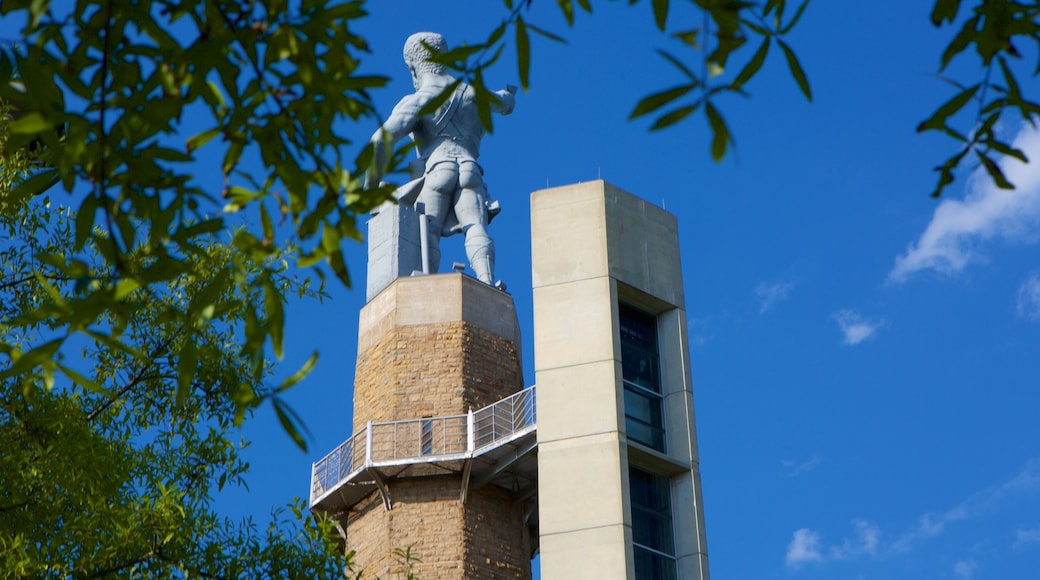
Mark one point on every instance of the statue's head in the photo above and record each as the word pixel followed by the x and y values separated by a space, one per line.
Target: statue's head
pixel 417 55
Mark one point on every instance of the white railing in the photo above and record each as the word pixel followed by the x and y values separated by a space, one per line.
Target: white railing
pixel 427 439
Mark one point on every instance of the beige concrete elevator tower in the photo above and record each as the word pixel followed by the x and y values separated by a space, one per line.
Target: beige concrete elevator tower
pixel 619 493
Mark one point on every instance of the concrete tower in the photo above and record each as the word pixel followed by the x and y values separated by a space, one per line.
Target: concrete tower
pixel 619 481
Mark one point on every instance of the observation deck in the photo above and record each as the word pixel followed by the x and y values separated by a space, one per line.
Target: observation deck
pixel 496 444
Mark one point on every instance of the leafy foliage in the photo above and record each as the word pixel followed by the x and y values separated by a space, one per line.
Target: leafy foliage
pixel 111 475
pixel 995 29
pixel 727 29
pixel 266 82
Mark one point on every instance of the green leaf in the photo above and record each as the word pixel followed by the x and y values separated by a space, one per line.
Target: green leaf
pixel 994 171
pixel 81 380
pixel 945 10
pixel 275 314
pixel 266 224
pixel 938 119
pixel 232 155
pixel 30 124
pixel 196 141
pixel 688 37
pixel 794 20
pixel 300 374
pixel 796 70
pixel 1008 150
pixel 567 7
pixel 673 117
pixel 187 364
pixel 657 100
pixel 660 13
pixel 720 136
pixel 291 422
pixel 40 356
pixel 435 103
pixel 125 287
pixel 35 185
pixel 546 34
pixel 483 100
pixel 960 42
pixel 523 53
pixel 679 65
pixel 753 65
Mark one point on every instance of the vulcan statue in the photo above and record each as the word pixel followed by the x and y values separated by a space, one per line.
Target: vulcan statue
pixel 448 184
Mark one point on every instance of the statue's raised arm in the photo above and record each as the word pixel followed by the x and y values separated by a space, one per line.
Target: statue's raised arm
pixel 452 192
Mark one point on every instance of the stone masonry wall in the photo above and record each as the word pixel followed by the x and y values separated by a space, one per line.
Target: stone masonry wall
pixel 431 370
pixel 481 539
pixel 417 371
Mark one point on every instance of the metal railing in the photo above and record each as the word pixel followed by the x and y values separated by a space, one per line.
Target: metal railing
pixel 426 439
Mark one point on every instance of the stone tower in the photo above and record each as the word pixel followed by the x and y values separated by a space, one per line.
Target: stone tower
pixel 441 459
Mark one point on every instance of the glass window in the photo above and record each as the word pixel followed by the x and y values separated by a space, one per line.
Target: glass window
pixel 652 536
pixel 640 371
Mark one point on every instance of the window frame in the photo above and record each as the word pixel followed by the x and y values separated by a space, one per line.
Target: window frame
pixel 655 398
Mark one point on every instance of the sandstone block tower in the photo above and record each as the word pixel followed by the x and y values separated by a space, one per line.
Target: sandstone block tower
pixel 441 458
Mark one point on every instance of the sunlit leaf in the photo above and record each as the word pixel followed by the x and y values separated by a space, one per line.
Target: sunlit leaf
pixel 29 124
pixel 300 374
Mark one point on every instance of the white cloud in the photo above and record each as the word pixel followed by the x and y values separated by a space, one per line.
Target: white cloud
pixel 1027 538
pixel 951 240
pixel 793 468
pixel 804 547
pixel 868 535
pixel 866 539
pixel 854 328
pixel 985 502
pixel 770 294
pixel 1029 298
pixel 965 568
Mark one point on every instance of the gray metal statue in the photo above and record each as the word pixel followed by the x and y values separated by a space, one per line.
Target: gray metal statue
pixel 447 181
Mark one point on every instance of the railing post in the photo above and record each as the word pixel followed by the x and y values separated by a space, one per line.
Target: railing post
pixel 471 436
pixel 314 469
pixel 368 444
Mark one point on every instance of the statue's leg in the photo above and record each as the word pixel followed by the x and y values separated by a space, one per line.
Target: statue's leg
pixel 436 197
pixel 472 214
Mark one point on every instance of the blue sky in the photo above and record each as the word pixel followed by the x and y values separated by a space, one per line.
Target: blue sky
pixel 864 357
